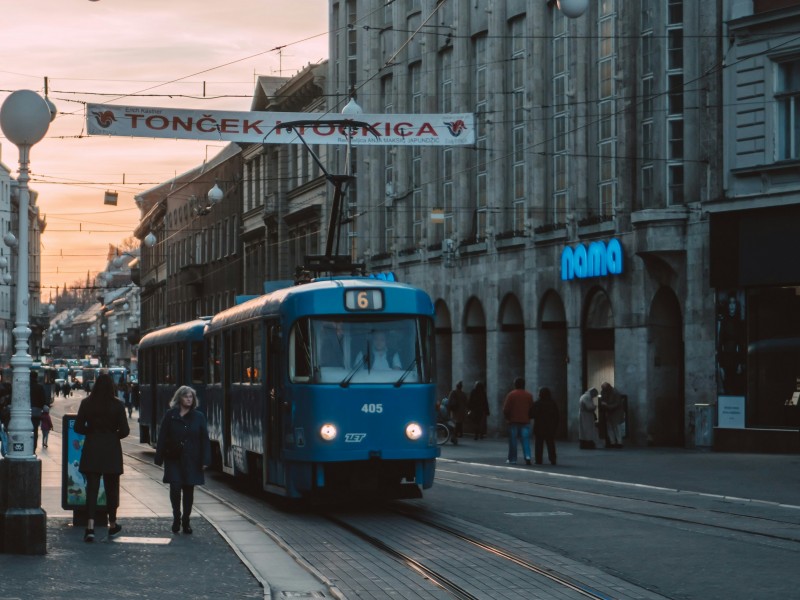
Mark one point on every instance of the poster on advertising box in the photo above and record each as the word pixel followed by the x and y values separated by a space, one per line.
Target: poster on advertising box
pixel 73 482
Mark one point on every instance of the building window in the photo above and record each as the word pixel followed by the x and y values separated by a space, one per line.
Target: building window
pixel 447 193
pixel 675 104
pixel 480 92
pixel 352 44
pixel 561 93
pixel 606 131
pixel 415 77
pixel 519 72
pixel 788 99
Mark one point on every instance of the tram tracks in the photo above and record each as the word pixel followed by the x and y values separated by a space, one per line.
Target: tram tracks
pixel 468 567
pixel 449 579
pixel 461 565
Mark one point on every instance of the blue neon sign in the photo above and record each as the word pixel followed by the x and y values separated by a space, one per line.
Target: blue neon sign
pixel 595 260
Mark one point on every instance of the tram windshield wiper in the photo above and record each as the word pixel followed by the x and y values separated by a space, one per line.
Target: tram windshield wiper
pixel 406 373
pixel 364 360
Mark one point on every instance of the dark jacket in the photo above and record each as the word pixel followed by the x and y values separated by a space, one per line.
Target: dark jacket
pixel 457 405
pixel 478 403
pixel 545 417
pixel 104 423
pixel 192 430
pixel 38 399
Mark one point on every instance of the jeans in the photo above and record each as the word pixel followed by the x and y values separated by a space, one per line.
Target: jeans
pixel 3 439
pixel 521 431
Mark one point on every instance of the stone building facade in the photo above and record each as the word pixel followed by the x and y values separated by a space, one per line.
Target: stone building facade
pixel 598 145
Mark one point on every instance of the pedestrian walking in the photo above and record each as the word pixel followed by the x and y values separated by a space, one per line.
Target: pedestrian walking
pixel 613 407
pixel 545 425
pixel 457 405
pixel 517 408
pixel 184 449
pixel 123 391
pixel 47 425
pixel 38 401
pixel 101 418
pixel 478 409
pixel 587 421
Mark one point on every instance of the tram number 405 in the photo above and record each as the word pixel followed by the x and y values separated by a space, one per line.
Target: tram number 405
pixel 372 409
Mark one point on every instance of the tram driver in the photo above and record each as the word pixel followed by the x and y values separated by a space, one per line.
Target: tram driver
pixel 380 358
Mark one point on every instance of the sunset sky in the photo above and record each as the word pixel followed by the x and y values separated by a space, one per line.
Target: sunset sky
pixel 143 53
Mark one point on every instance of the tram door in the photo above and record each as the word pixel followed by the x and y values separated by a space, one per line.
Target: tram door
pixel 274 396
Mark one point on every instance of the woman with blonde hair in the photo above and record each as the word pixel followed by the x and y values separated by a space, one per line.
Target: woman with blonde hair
pixel 184 449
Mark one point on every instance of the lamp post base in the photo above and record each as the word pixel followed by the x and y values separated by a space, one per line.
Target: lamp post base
pixel 23 522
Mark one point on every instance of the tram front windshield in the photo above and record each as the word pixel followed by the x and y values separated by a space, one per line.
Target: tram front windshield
pixel 333 350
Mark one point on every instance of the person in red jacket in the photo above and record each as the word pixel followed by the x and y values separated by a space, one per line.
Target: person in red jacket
pixel 517 411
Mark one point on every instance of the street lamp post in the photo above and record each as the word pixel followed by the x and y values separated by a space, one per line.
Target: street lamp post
pixel 25 118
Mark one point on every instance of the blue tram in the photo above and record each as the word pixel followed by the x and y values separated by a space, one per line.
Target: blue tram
pixel 326 387
pixel 322 388
pixel 168 358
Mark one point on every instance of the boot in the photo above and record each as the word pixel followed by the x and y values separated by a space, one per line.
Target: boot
pixel 186 527
pixel 176 522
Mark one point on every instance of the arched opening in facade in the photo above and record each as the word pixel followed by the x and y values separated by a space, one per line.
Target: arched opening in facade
pixel 598 340
pixel 665 379
pixel 552 354
pixel 473 365
pixel 510 343
pixel 444 348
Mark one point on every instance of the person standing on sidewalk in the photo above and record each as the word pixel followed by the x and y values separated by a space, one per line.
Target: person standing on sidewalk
pixel 479 409
pixel 545 425
pixel 184 449
pixel 517 411
pixel 614 409
pixel 457 405
pixel 587 423
pixel 101 418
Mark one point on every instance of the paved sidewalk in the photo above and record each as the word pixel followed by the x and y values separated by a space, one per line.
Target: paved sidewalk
pixel 225 557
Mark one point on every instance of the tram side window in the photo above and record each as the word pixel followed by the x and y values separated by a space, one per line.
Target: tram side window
pixel 161 365
pixel 250 367
pixel 144 370
pixel 197 363
pixel 256 375
pixel 247 353
pixel 236 353
pixel 180 371
pixel 299 352
pixel 214 347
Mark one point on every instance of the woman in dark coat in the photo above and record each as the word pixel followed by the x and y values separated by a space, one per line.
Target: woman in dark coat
pixel 545 425
pixel 478 405
pixel 183 448
pixel 101 418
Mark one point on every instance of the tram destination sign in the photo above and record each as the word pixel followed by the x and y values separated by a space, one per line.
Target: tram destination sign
pixel 265 127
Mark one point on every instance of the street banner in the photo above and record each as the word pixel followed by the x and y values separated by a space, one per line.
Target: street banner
pixel 265 127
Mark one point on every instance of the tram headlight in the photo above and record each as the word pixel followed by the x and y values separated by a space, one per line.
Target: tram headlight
pixel 328 432
pixel 413 431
